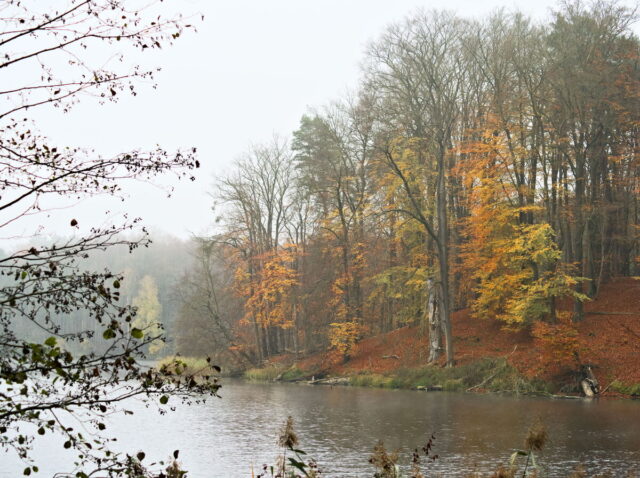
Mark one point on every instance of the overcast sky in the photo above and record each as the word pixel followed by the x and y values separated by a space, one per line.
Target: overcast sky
pixel 252 70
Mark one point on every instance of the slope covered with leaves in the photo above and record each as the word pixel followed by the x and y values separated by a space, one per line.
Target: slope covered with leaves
pixel 608 339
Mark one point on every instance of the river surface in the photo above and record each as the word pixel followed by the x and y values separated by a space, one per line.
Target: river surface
pixel 338 426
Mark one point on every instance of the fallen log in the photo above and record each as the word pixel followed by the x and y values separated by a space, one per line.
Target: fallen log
pixel 492 376
pixel 330 381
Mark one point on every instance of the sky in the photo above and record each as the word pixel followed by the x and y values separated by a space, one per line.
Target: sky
pixel 251 71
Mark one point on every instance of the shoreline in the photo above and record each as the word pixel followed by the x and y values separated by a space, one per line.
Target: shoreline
pixel 484 376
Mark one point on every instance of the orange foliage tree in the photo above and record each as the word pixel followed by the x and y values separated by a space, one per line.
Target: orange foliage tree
pixel 558 346
pixel 268 294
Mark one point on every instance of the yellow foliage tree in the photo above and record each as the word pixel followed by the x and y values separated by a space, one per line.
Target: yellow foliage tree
pixel 148 312
pixel 513 268
pixel 343 336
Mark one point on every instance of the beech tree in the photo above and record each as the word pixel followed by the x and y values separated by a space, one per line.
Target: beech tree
pixel 417 64
pixel 512 267
pixel 46 62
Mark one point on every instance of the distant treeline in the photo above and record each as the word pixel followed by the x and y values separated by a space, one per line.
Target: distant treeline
pixel 149 278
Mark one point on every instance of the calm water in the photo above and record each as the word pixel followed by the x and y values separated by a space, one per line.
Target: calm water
pixel 339 426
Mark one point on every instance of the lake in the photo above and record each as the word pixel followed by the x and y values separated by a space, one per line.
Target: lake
pixel 338 426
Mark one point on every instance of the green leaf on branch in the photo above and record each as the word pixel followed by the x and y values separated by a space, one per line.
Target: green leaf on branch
pixel 108 334
pixel 137 333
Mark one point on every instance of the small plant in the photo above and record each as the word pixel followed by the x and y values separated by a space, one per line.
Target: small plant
pixel 427 449
pixel 385 463
pixel 290 466
pixel 535 441
pixel 173 470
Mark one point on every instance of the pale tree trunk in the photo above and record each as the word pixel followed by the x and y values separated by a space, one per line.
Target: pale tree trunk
pixel 433 322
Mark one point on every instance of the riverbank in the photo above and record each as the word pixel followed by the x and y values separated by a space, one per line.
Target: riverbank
pixel 484 375
pixel 543 359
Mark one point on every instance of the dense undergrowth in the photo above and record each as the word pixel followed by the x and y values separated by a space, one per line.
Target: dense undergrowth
pixel 632 390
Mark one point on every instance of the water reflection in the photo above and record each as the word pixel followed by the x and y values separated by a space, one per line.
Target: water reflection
pixel 339 426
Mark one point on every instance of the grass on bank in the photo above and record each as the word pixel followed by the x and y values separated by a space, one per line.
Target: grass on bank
pixel 273 373
pixel 266 374
pixel 493 374
pixel 632 390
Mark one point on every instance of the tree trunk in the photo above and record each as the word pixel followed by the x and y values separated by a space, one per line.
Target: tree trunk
pixel 433 322
pixel 443 258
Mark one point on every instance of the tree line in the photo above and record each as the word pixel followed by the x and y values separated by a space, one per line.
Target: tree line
pixel 490 164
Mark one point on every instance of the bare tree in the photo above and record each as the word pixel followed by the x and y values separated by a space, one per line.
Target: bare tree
pixel 258 202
